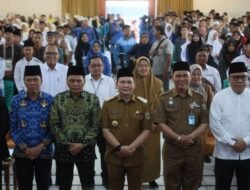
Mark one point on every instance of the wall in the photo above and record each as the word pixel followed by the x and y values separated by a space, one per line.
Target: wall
pixel 30 7
pixel 234 8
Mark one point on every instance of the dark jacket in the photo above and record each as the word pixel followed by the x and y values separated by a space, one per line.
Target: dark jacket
pixel 4 128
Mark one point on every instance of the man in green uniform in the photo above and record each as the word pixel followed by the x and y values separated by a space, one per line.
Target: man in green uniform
pixel 182 116
pixel 126 123
pixel 75 124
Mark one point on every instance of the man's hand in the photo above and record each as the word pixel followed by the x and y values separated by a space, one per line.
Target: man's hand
pixel 240 145
pixel 75 148
pixel 154 127
pixel 186 140
pixel 34 152
pixel 126 151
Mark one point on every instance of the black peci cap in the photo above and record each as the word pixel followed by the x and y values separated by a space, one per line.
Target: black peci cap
pixel 75 70
pixel 32 70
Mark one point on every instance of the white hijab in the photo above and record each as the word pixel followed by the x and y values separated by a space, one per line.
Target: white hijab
pixel 214 42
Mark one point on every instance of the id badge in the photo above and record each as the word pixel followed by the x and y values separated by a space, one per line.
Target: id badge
pixel 8 65
pixel 191 119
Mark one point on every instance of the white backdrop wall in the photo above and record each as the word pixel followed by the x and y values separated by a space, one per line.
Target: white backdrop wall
pixel 234 8
pixel 30 7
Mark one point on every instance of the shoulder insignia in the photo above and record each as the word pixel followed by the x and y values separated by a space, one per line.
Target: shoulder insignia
pixel 164 93
pixel 145 101
pixel 110 98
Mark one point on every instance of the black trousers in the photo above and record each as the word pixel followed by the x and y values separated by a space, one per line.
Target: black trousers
pixel 66 173
pixel 1 174
pixel 26 169
pixel 101 143
pixel 224 170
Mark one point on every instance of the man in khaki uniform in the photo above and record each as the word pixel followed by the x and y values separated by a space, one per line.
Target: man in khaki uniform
pixel 182 116
pixel 126 123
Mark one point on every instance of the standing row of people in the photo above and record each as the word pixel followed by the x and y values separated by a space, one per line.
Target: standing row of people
pixel 75 136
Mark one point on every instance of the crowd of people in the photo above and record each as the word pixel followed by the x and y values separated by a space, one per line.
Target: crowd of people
pixel 80 82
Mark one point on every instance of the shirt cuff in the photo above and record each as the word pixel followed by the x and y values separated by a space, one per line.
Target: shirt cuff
pixel 229 140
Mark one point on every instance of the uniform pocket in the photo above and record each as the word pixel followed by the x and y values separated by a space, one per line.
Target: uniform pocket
pixel 171 108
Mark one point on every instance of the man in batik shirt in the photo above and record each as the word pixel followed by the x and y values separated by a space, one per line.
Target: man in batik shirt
pixel 75 124
pixel 30 130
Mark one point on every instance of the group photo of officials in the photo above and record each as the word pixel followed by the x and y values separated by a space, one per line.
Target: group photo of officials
pixel 154 101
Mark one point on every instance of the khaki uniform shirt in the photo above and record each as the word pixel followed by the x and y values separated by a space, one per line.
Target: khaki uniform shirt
pixel 126 121
pixel 174 110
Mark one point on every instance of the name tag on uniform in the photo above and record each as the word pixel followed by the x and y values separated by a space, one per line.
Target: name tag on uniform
pixel 191 119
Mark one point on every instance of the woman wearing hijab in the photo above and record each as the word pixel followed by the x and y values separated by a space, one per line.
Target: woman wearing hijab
pixel 138 50
pixel 96 50
pixel 240 41
pixel 149 87
pixel 196 43
pixel 205 90
pixel 227 55
pixel 198 85
pixel 82 49
pixel 213 40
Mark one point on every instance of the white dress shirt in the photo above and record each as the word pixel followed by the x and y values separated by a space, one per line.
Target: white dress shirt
pixel 19 71
pixel 229 119
pixel 213 76
pixel 103 88
pixel 54 81
pixel 242 58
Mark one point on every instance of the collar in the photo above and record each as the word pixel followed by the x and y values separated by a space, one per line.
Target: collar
pixel 204 66
pixel 189 92
pixel 27 60
pixel 91 78
pixel 25 95
pixel 120 99
pixel 69 95
pixel 49 69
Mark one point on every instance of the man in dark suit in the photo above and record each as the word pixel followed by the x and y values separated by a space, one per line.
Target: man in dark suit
pixel 4 128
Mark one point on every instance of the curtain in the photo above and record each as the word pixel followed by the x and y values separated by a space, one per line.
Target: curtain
pixel 80 7
pixel 178 6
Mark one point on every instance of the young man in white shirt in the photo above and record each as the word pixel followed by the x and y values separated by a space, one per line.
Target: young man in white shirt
pixel 98 83
pixel 104 88
pixel 28 59
pixel 208 72
pixel 229 123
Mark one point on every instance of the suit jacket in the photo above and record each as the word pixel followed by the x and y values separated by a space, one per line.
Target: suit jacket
pixel 4 128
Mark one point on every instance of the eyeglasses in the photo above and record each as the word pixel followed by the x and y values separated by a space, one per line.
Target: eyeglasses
pixel 51 53
pixel 239 77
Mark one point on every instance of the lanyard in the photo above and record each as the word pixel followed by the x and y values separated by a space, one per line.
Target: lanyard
pixel 96 89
